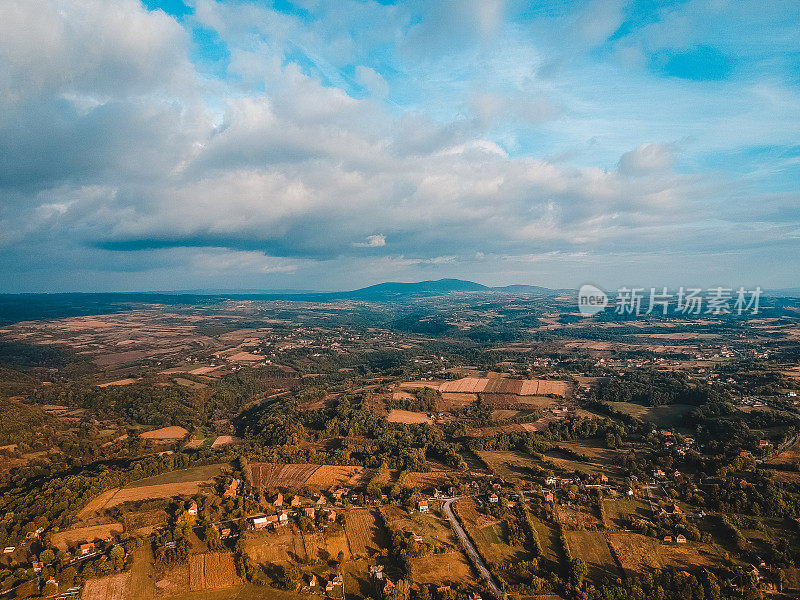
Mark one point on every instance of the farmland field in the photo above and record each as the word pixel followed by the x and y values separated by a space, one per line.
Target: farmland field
pixel 273 475
pixel 616 510
pixel 592 548
pixel 548 538
pixel 406 416
pixel 364 534
pixel 488 534
pixel 114 587
pixel 191 475
pixel 508 464
pixel 165 434
pixel 279 547
pixel 212 570
pixel 443 569
pixel 639 553
pixel 329 475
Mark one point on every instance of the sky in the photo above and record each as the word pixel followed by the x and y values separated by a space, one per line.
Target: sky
pixel 332 144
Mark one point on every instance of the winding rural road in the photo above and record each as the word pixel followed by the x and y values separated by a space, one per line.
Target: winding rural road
pixel 471 550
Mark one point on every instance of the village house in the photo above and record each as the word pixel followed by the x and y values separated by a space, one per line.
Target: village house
pixel 278 500
pixel 85 549
pixel 192 510
pixel 312 580
pixel 603 478
pixel 376 571
pixel 493 498
pixel 668 538
pixel 259 522
pixel 309 512
pixel 321 501
pixel 37 567
pixel 422 506
pixel 295 501
pixel 548 497
pixel 680 538
pixel 331 516
pixel 231 490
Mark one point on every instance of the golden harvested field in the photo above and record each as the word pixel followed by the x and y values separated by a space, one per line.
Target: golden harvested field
pixel 277 547
pixel 363 532
pixel 454 400
pixel 639 554
pixel 443 569
pixel 96 504
pixel 330 475
pixel 424 481
pixel 222 440
pixel 273 475
pixel 211 570
pixel 127 381
pixel 71 537
pixel 592 548
pixel 165 434
pixel 397 415
pixel 501 385
pixel 114 587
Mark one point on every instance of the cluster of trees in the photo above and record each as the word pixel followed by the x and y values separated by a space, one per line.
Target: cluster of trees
pixel 654 388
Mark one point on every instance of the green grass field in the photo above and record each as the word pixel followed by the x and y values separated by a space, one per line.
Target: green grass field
pixel 662 416
pixel 592 548
pixel 182 476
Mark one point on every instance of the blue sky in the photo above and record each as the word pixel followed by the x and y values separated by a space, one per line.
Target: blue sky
pixel 173 144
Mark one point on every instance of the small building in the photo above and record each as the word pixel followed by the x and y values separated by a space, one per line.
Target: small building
pixel 85 549
pixel 494 498
pixel 680 538
pixel 322 501
pixel 278 500
pixel 376 571
pixel 312 580
pixel 295 501
pixel 38 566
pixel 309 512
pixel 330 516
pixel 192 510
pixel 232 489
pixel 548 497
pixel 668 538
pixel 422 506
pixel 603 478
pixel 259 522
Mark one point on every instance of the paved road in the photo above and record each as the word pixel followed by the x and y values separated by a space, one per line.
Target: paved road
pixel 471 550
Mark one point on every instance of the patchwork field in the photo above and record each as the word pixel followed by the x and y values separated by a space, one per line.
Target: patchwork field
pixel 364 534
pixel 277 547
pixel 115 587
pixel 501 385
pixel 211 570
pixel 445 569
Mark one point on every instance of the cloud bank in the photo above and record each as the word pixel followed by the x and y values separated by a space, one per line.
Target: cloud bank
pixel 233 144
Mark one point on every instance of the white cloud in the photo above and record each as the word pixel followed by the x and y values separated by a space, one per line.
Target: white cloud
pixel 373 241
pixel 372 80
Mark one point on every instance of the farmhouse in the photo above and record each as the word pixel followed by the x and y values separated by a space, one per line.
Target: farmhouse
pixel 680 538
pixel 192 510
pixel 295 501
pixel 259 522
pixel 422 506
pixel 309 512
pixel 278 500
pixel 493 498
